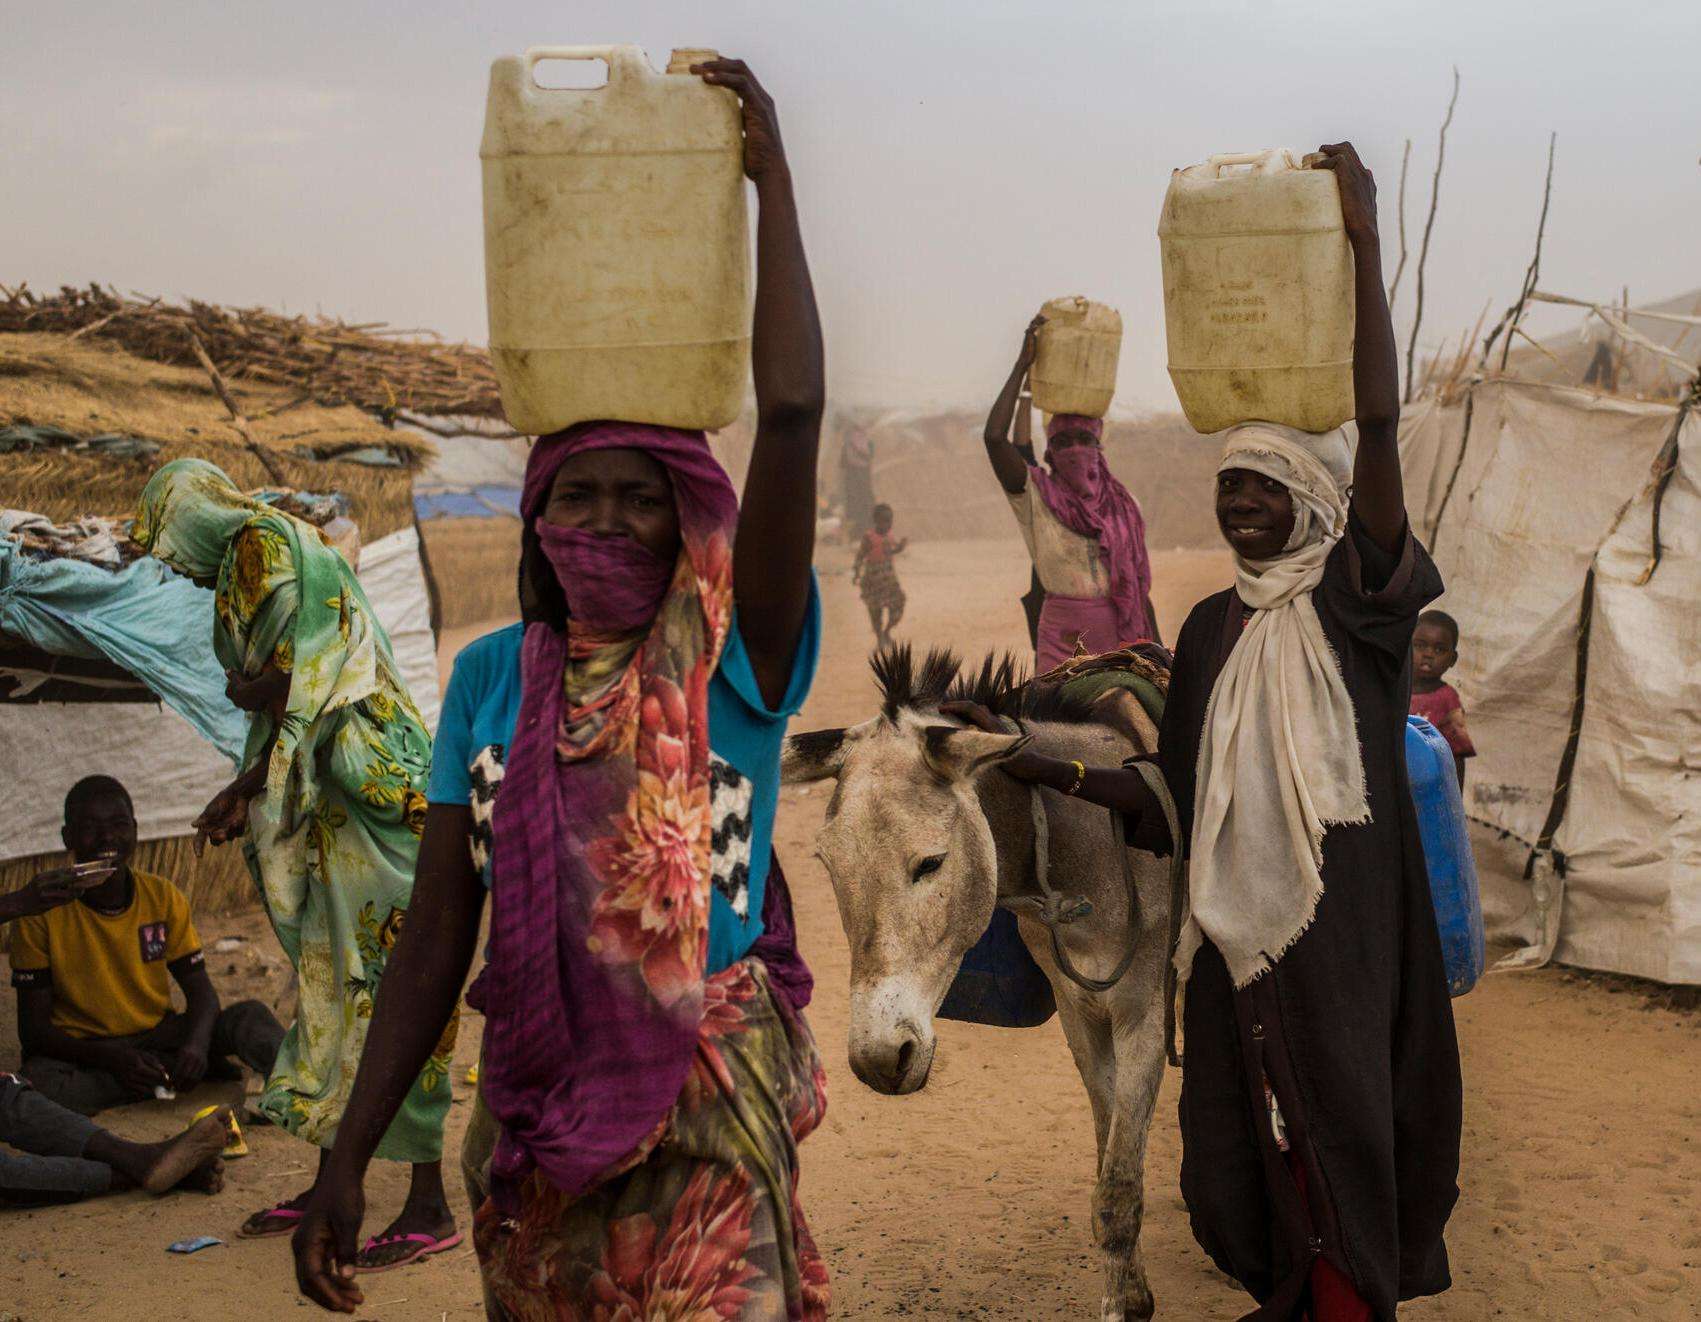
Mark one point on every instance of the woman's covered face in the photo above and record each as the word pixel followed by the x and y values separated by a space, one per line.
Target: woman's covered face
pixel 617 493
pixel 1255 513
pixel 1075 436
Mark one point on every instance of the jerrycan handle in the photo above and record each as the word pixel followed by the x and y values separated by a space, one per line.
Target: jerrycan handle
pixel 1268 161
pixel 622 61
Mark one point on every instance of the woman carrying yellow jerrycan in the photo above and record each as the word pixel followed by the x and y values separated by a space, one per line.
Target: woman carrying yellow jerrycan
pixel 647 1075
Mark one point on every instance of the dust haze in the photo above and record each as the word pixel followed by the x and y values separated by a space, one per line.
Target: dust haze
pixel 957 163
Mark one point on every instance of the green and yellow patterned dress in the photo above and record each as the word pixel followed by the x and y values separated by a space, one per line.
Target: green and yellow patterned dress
pixel 333 839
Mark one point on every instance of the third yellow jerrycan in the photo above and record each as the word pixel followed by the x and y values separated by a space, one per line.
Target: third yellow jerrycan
pixel 1075 357
pixel 616 248
pixel 1258 293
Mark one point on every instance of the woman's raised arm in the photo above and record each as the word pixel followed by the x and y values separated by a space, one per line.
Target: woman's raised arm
pixel 1008 463
pixel 1379 497
pixel 776 524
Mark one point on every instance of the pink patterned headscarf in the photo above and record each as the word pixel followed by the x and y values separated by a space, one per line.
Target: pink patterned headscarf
pixel 593 994
pixel 1062 422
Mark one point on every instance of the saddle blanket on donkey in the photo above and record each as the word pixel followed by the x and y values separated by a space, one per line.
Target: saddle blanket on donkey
pixel 998 982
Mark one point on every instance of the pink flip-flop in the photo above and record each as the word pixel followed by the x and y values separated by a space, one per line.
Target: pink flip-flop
pixel 428 1244
pixel 288 1215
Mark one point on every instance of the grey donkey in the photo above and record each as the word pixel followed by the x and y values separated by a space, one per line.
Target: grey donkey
pixel 924 836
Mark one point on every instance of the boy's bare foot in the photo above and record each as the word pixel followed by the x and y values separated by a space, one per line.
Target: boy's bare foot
pixel 206 1178
pixel 181 1157
pixel 158 1167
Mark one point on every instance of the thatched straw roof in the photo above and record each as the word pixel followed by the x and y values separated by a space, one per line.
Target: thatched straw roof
pixel 90 387
pixel 321 360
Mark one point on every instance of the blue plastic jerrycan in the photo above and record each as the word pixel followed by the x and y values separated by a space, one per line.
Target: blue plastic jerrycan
pixel 1446 853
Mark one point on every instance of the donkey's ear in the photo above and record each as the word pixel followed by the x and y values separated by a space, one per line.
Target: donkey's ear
pixel 957 753
pixel 815 755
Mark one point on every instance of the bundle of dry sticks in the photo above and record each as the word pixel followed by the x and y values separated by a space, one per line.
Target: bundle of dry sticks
pixel 369 365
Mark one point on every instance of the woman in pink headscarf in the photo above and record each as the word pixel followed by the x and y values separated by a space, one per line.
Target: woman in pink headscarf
pixel 1083 529
pixel 606 771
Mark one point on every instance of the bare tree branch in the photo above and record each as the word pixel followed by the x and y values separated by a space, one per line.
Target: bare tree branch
pixel 1428 228
pixel 453 428
pixel 240 422
pixel 1394 286
pixel 1508 319
pixel 1515 313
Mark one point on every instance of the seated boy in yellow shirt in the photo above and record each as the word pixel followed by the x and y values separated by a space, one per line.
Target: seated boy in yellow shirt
pixel 94 1003
pixel 61 1156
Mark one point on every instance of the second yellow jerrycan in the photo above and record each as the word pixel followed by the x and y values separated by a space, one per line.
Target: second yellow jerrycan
pixel 616 243
pixel 1075 357
pixel 1258 293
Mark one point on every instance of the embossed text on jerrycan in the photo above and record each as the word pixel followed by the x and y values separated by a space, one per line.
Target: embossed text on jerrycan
pixel 1258 293
pixel 616 248
pixel 1075 357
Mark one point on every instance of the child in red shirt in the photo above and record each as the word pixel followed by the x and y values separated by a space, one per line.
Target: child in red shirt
pixel 1435 650
pixel 875 574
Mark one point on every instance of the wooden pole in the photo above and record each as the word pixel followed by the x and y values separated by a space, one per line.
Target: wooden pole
pixel 1532 273
pixel 1428 229
pixel 225 397
pixel 1399 269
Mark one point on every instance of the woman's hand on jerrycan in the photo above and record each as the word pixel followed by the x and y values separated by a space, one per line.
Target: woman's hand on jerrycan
pixel 1030 341
pixel 763 152
pixel 1358 188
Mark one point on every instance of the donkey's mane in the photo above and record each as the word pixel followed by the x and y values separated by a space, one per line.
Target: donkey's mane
pixel 1000 684
pixel 902 684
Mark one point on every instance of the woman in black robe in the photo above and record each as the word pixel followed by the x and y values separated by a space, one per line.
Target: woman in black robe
pixel 1321 1099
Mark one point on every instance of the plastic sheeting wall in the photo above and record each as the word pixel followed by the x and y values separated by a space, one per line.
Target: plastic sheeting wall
pixel 1552 481
pixel 169 769
pixel 395 585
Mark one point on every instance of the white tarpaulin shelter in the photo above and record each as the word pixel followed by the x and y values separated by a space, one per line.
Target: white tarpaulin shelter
pixel 170 770
pixel 1567 525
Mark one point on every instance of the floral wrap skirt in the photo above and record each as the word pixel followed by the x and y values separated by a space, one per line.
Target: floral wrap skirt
pixel 708 1225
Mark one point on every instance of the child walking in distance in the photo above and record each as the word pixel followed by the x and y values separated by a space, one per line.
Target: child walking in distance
pixel 878 576
pixel 1320 1093
pixel 1435 651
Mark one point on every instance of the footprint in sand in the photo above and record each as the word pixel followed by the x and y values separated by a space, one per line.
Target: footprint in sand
pixel 1663 1280
pixel 1619 1261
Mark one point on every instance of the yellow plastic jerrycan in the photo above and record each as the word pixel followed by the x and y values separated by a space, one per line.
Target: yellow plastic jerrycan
pixel 1075 357
pixel 616 248
pixel 1258 293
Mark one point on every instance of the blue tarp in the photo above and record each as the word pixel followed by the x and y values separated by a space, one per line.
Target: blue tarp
pixel 485 502
pixel 145 618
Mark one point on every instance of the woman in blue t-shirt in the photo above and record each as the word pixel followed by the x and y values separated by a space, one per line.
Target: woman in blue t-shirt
pixel 608 769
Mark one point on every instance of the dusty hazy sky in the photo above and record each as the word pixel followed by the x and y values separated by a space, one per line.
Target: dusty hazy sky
pixel 957 162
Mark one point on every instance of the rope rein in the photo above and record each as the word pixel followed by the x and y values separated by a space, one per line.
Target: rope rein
pixel 1057 910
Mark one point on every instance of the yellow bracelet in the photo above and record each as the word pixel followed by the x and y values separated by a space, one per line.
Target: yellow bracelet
pixel 1080 778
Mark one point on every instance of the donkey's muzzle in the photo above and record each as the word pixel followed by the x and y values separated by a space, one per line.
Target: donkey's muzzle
pixel 896 1066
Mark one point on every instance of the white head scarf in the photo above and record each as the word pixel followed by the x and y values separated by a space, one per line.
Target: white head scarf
pixel 1279 760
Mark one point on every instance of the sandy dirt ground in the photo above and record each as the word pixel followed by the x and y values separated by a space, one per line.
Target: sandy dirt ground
pixel 970 1199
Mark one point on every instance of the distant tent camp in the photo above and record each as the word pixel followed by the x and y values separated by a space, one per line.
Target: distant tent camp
pixel 86 415
pixel 1566 520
